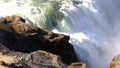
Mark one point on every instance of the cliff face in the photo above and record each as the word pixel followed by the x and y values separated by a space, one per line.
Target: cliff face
pixel 34 46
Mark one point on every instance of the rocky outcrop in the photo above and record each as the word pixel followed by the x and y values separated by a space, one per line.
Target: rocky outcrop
pixel 17 37
pixel 11 62
pixel 115 62
pixel 37 59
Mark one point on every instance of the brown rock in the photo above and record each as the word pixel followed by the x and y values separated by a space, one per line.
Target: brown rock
pixel 77 65
pixel 43 59
pixel 14 18
pixel 46 59
pixel 28 38
pixel 115 62
pixel 2 20
pixel 11 62
pixel 39 59
pixel 23 28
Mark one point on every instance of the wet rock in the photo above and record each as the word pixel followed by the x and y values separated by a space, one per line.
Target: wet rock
pixel 16 35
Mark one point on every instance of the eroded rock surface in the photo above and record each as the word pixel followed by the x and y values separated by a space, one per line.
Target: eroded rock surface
pixel 18 37
pixel 11 62
pixel 115 62
pixel 39 59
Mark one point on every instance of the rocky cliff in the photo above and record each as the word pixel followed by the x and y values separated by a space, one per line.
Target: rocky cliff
pixel 33 47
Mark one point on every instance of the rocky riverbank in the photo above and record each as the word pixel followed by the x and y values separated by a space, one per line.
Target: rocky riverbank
pixel 27 46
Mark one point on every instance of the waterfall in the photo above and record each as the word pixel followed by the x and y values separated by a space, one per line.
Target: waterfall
pixel 93 25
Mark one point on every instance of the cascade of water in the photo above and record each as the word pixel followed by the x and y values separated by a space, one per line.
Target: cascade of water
pixel 42 13
pixel 92 24
pixel 99 22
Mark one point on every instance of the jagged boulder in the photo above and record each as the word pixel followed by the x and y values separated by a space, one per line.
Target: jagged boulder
pixel 16 35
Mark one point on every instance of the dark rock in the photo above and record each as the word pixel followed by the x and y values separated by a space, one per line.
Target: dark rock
pixel 19 36
pixel 6 35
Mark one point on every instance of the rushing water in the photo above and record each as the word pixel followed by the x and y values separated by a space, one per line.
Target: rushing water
pixel 93 25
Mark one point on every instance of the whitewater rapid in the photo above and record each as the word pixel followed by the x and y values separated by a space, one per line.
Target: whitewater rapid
pixel 93 25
